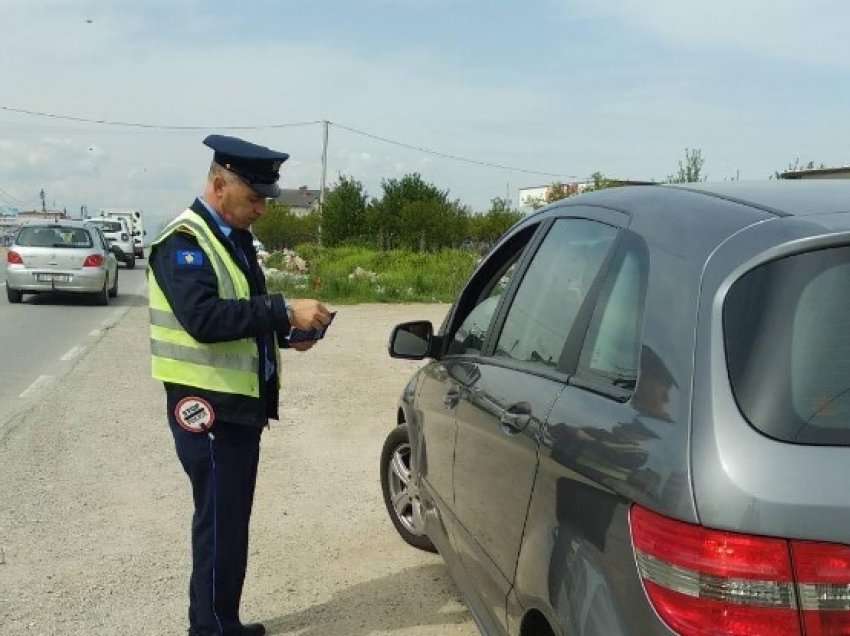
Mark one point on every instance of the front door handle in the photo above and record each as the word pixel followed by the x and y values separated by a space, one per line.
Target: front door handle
pixel 516 418
pixel 452 398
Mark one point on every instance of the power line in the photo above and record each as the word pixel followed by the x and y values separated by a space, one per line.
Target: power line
pixel 130 124
pixel 11 198
pixel 356 131
pixel 445 155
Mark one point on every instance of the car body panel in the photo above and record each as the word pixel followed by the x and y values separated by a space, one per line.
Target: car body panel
pixel 494 473
pixel 795 490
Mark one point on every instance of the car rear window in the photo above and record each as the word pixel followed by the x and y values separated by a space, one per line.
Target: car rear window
pixel 54 236
pixel 787 332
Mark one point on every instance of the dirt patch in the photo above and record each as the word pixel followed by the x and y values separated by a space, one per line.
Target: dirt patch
pixel 95 509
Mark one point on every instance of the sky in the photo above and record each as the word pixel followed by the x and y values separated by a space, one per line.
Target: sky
pixel 563 87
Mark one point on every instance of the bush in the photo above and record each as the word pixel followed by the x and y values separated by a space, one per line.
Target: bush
pixel 360 274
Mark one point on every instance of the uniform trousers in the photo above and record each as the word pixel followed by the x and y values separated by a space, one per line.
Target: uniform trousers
pixel 222 468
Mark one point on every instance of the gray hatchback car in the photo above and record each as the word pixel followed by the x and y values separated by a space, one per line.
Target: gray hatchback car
pixel 636 417
pixel 63 256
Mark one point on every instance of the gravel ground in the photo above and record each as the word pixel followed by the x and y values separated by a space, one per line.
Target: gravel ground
pixel 95 509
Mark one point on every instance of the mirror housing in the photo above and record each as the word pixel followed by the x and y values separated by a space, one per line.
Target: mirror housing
pixel 414 341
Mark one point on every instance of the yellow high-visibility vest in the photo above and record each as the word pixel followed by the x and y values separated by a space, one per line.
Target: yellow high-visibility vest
pixel 226 367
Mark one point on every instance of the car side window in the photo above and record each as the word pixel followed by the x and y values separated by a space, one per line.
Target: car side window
pixel 484 295
pixel 611 351
pixel 553 290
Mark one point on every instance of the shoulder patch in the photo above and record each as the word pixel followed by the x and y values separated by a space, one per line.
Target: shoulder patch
pixel 189 258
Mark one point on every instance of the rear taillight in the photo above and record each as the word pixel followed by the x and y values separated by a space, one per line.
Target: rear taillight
pixel 13 258
pixel 93 260
pixel 822 572
pixel 705 582
pixel 708 582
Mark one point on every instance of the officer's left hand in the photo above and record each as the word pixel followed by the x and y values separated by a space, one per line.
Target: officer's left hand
pixel 302 346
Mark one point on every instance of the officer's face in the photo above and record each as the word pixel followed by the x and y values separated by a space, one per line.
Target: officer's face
pixel 239 204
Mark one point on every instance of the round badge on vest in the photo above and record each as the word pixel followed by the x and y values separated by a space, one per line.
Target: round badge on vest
pixel 194 415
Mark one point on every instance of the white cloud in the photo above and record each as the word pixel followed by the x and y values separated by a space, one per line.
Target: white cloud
pixel 805 30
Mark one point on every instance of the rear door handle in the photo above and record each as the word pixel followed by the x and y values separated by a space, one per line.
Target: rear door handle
pixel 452 398
pixel 515 418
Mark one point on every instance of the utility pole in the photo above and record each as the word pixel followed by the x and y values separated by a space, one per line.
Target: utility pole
pixel 325 123
pixel 43 204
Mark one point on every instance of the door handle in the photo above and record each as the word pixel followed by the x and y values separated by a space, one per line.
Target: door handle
pixel 452 398
pixel 516 418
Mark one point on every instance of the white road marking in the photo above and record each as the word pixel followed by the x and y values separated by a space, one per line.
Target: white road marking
pixel 73 353
pixel 40 382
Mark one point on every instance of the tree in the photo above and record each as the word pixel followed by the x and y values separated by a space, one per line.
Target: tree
pixel 796 166
pixel 690 171
pixel 394 221
pixel 558 191
pixel 486 228
pixel 344 215
pixel 279 227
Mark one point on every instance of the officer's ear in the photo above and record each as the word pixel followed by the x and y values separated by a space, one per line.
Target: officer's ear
pixel 219 182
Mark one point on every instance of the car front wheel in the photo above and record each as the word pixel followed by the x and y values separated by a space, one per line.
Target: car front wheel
pixel 401 492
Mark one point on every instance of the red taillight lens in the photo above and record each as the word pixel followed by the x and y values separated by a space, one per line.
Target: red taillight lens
pixel 822 571
pixel 94 260
pixel 13 258
pixel 707 582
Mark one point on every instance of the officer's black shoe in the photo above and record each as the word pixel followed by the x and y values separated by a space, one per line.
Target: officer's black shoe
pixel 253 629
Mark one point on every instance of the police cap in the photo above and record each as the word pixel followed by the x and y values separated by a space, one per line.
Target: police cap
pixel 257 165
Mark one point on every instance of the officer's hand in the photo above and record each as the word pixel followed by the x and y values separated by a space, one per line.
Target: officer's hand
pixel 302 346
pixel 309 314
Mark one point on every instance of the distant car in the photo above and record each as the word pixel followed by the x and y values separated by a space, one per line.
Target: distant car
pixel 66 256
pixel 118 234
pixel 635 419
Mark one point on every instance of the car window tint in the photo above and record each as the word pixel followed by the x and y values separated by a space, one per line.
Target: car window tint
pixel 553 290
pixel 470 336
pixel 612 348
pixel 477 306
pixel 787 333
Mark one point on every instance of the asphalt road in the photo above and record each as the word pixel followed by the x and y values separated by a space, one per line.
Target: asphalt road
pixel 42 338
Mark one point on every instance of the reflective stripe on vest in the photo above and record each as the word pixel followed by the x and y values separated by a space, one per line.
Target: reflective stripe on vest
pixel 225 367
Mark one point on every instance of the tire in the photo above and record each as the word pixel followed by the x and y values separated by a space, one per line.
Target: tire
pixel 102 297
pixel 14 295
pixel 113 293
pixel 130 264
pixel 398 484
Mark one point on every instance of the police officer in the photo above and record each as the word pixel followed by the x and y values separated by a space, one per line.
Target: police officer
pixel 215 338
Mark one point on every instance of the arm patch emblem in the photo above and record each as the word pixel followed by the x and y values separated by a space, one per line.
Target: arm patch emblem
pixel 189 258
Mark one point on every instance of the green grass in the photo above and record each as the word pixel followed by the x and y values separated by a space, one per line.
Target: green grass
pixel 400 276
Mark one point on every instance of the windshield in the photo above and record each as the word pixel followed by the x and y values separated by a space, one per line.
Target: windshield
pixel 54 236
pixel 787 331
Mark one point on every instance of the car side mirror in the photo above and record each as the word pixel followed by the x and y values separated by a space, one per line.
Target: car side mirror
pixel 412 340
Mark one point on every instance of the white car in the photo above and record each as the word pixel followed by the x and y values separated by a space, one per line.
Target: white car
pixel 119 235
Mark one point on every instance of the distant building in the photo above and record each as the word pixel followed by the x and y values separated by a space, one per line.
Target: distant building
pixel 302 201
pixel 535 196
pixel 38 215
pixel 817 173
